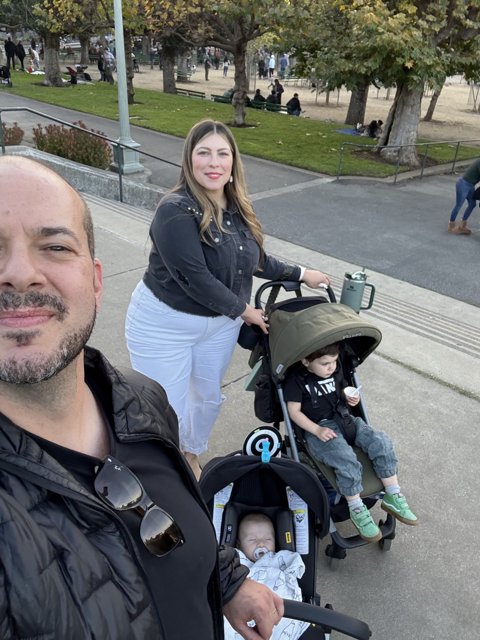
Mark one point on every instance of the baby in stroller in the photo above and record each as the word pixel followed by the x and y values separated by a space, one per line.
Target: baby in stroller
pixel 277 570
pixel 317 402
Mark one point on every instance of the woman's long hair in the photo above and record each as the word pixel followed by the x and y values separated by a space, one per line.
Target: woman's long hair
pixel 235 191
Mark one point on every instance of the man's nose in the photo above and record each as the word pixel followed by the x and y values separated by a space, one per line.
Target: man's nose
pixel 19 270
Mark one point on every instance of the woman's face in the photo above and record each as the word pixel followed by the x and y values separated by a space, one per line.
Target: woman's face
pixel 212 162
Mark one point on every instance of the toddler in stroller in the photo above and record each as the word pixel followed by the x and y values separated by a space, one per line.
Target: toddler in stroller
pixel 298 327
pixel 317 397
pixel 290 496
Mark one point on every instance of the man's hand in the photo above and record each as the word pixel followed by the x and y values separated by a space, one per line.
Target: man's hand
pixel 254 601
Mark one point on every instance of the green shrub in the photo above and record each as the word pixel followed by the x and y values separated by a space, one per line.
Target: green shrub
pixel 73 144
pixel 12 135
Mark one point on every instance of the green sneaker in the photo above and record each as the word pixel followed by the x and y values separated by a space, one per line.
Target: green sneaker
pixel 363 521
pixel 396 505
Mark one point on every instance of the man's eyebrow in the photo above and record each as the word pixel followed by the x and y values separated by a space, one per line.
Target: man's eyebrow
pixel 46 232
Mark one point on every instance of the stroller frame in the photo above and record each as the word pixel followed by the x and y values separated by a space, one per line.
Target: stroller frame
pixel 295 446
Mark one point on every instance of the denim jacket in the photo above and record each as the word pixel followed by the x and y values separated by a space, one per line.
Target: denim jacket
pixel 206 279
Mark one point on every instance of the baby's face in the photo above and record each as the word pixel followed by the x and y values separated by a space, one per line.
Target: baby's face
pixel 256 537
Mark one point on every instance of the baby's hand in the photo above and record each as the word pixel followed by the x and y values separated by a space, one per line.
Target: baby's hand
pixel 325 434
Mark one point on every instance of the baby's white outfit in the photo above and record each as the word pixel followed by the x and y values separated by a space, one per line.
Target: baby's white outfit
pixel 280 572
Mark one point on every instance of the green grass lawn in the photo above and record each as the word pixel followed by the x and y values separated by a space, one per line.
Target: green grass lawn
pixel 308 144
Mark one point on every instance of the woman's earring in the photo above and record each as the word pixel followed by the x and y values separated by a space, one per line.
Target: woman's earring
pixel 230 179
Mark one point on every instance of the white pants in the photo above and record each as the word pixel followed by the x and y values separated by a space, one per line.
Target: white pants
pixel 187 354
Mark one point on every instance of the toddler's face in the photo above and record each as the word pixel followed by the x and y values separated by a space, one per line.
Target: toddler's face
pixel 256 537
pixel 323 367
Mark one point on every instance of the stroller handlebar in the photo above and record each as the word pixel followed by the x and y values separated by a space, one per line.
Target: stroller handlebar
pixel 328 618
pixel 287 285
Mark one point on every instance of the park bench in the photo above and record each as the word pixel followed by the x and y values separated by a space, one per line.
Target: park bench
pixel 190 93
pixel 257 105
pixel 224 99
pixel 275 108
pixel 183 75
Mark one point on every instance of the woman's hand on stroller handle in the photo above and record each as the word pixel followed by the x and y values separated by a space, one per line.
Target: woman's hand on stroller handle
pixel 255 316
pixel 315 279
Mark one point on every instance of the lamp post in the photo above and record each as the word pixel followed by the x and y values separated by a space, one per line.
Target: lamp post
pixel 130 161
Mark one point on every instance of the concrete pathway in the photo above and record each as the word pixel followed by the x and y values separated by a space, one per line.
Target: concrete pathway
pixel 421 388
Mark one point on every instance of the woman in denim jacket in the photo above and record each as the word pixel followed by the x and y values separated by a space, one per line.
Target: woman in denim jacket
pixel 184 316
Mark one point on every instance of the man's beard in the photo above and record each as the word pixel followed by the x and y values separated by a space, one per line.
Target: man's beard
pixel 38 368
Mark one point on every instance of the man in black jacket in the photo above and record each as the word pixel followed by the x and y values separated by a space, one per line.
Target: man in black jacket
pixel 10 53
pixel 103 532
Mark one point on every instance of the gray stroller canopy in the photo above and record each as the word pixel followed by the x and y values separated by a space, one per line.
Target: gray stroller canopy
pixel 295 334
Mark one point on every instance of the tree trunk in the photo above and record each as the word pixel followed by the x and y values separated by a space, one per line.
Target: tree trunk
pixel 399 135
pixel 241 84
pixel 127 36
pixel 84 50
pixel 433 103
pixel 358 104
pixel 168 59
pixel 53 76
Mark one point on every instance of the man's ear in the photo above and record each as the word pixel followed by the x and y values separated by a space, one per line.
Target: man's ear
pixel 97 282
pixel 305 362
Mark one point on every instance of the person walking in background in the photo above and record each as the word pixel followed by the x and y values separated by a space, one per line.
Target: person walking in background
pixel 225 66
pixel 152 50
pixel 283 66
pixel 184 317
pixel 465 187
pixel 261 67
pixel 20 53
pixel 35 59
pixel 271 66
pixel 207 64
pixel 101 516
pixel 10 53
pixel 108 65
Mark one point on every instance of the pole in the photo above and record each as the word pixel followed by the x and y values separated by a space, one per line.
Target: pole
pixel 131 163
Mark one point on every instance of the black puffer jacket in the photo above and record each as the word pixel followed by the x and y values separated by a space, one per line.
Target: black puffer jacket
pixel 68 568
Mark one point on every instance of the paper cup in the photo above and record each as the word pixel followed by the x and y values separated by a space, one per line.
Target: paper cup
pixel 351 392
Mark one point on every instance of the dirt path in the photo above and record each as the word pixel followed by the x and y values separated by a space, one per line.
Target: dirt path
pixel 454 115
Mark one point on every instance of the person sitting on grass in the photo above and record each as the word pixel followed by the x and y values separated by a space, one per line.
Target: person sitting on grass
pixel 293 106
pixel 318 404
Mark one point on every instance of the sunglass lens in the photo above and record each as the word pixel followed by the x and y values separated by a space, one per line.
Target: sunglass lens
pixel 160 534
pixel 118 487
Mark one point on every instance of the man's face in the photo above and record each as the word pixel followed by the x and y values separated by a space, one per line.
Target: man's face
pixel 50 286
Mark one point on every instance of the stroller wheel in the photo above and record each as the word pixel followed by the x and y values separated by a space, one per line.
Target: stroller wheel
pixel 335 554
pixel 385 544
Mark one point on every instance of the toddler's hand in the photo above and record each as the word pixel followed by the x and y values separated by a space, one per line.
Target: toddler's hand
pixel 325 434
pixel 352 402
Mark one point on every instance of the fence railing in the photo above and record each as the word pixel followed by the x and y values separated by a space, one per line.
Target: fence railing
pixel 118 147
pixel 422 146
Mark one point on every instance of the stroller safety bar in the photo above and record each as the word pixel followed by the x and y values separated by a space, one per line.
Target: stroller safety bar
pixel 327 618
